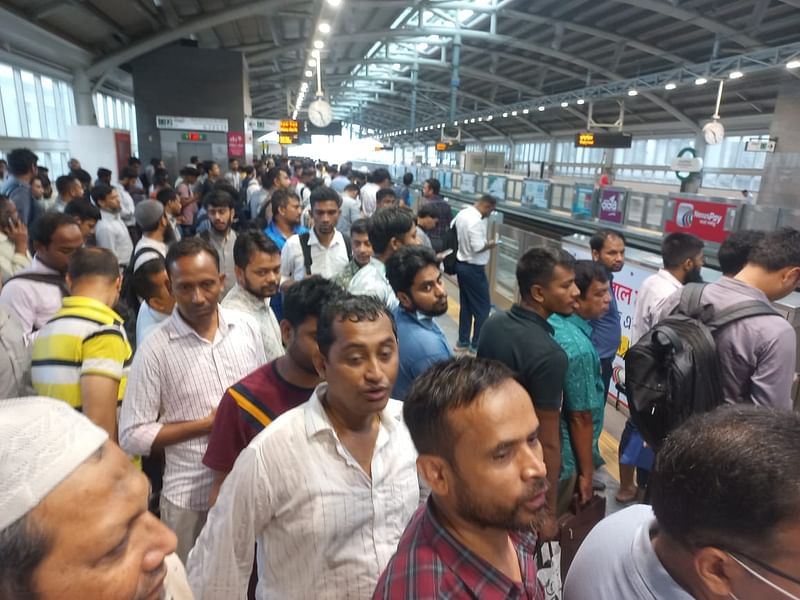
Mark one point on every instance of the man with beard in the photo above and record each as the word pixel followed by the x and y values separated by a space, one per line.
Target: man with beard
pixel 416 279
pixel 253 403
pixel 111 231
pixel 682 254
pixel 258 277
pixel 522 339
pixel 327 488
pixel 361 250
pixel 177 378
pixel 220 207
pixel 479 451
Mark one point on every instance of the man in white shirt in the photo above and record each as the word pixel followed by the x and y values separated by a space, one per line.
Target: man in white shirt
pixel 232 176
pixel 305 176
pixel 682 254
pixel 351 209
pixel 389 230
pixel 327 250
pixel 473 256
pixel 127 206
pixel 14 254
pixel 152 221
pixel 177 379
pixel 111 231
pixel 151 284
pixel 379 179
pixel 258 278
pixel 328 487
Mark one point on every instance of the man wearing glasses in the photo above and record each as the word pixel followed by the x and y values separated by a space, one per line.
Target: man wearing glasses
pixel 724 522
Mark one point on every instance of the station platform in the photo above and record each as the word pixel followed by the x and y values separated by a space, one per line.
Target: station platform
pixel 614 421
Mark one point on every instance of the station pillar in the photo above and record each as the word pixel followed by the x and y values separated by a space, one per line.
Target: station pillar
pixel 84 108
pixel 455 81
pixel 781 176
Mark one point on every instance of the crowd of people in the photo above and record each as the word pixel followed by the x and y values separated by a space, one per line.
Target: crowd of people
pixel 242 373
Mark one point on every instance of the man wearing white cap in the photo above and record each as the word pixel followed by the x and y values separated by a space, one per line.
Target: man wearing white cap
pixel 74 523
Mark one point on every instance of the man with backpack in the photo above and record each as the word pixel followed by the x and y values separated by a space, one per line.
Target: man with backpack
pixel 472 255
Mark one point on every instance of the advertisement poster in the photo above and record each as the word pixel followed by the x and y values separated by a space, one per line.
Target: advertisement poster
pixel 612 205
pixel 122 142
pixel 706 220
pixel 536 193
pixel 583 202
pixel 447 180
pixel 468 183
pixel 496 187
pixel 235 144
pixel 626 286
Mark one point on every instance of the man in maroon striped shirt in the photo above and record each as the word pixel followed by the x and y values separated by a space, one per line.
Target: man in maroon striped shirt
pixel 477 436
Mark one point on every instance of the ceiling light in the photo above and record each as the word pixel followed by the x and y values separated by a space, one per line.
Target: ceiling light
pixel 397 66
pixel 541 108
pixel 490 117
pixel 505 115
pixel 304 86
pixel 480 119
pixel 319 44
pixel 315 53
pixel 632 93
pixel 312 62
pixel 793 64
pixel 736 75
pixel 700 81
pixel 422 47
pixel 334 2
pixel 564 104
pixel 513 113
pixel 580 101
pixel 308 73
pixel 670 86
pixel 455 122
pixel 525 111
pixel 324 28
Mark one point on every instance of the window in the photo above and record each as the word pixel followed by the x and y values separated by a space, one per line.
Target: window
pixel 31 104
pixel 11 113
pixel 51 125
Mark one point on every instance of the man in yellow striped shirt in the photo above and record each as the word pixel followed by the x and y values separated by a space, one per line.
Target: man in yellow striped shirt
pixel 81 355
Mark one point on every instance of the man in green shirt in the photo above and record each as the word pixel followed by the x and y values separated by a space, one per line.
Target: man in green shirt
pixel 584 391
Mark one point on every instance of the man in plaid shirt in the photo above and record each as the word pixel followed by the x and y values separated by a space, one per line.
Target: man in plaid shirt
pixel 477 436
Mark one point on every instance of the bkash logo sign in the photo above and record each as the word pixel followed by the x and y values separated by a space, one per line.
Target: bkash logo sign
pixel 685 215
pixel 609 204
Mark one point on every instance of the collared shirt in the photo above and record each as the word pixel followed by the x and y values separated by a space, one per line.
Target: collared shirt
pixel 756 355
pixel 350 212
pixel 325 529
pixel 431 563
pixel 85 337
pixel 523 341
pixel 224 247
pixel 247 407
pixel 179 376
pixel 112 233
pixel 148 242
pixel 257 197
pixel 15 358
pixel 11 261
pixel 369 199
pixel 607 330
pixel 654 291
pixel 344 278
pixel 146 322
pixel 371 281
pixel 33 303
pixel 233 178
pixel 327 262
pixel 445 215
pixel 340 182
pixel 276 235
pixel 20 193
pixel 126 205
pixel 424 239
pixel 421 343
pixel 258 308
pixel 583 386
pixel 472 231
pixel 617 560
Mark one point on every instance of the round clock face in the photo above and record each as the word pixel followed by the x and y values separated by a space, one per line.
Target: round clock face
pixel 320 113
pixel 713 132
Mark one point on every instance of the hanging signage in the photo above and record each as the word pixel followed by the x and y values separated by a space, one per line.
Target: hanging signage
pixel 536 193
pixel 611 208
pixel 757 145
pixel 687 164
pixel 262 124
pixel 583 202
pixel 191 123
pixel 193 136
pixel 603 139
pixel 235 144
pixel 288 126
pixel 710 221
pixel 286 140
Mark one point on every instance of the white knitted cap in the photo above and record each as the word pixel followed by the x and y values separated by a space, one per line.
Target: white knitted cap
pixel 42 441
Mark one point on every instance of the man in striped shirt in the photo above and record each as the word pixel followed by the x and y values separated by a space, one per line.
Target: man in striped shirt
pixel 177 379
pixel 81 355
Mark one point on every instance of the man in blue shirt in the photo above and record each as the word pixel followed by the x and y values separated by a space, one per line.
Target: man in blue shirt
pixel 414 274
pixel 22 164
pixel 286 214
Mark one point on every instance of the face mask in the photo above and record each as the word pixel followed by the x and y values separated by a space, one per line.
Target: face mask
pixel 764 580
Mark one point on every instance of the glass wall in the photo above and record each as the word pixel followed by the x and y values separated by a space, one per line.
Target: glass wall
pixel 117 113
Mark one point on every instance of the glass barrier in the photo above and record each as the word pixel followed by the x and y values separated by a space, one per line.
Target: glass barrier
pixel 764 218
pixel 789 217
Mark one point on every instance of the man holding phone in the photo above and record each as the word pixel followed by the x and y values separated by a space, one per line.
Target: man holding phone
pixel 473 256
pixel 14 254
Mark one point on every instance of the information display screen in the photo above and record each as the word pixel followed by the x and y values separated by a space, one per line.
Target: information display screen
pixel 603 139
pixel 536 193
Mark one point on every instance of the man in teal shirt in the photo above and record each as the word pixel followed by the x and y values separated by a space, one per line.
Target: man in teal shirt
pixel 584 391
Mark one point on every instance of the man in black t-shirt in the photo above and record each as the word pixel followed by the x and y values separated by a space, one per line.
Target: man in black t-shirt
pixel 522 339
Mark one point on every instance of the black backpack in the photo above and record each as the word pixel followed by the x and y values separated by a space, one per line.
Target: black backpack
pixel 304 237
pixel 451 243
pixel 673 371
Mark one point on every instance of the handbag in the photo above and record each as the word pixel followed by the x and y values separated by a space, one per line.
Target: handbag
pixel 576 525
pixel 548 570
